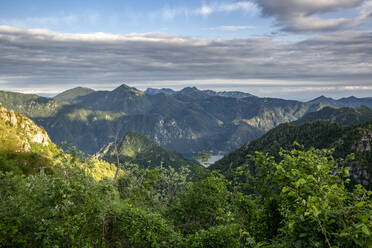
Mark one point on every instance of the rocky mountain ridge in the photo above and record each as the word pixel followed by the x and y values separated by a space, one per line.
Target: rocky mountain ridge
pixel 168 91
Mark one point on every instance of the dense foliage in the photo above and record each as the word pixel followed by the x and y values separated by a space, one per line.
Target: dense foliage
pixel 300 201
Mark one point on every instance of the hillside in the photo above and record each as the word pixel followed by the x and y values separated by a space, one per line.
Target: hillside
pixel 343 116
pixel 30 105
pixel 355 139
pixel 138 149
pixel 351 102
pixel 71 94
pixel 26 148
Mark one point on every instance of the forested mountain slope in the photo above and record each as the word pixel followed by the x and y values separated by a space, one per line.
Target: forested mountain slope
pixel 351 102
pixel 33 106
pixel 71 94
pixel 343 116
pixel 138 149
pixel 319 134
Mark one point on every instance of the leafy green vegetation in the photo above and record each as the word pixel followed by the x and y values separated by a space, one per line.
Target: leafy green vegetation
pixel 300 201
pixel 305 202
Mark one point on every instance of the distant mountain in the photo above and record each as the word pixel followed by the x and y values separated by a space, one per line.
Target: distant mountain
pixel 28 104
pixel 71 94
pixel 319 134
pixel 187 122
pixel 124 99
pixel 352 102
pixel 167 91
pixel 139 149
pixel 84 128
pixel 343 116
pixel 233 94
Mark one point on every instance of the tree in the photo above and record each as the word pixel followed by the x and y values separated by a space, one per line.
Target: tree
pixel 203 204
pixel 306 191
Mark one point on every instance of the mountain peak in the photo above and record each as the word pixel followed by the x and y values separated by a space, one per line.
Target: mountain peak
pixel 127 89
pixel 323 97
pixel 122 87
pixel 71 94
pixel 233 94
pixel 167 91
pixel 351 98
pixel 189 90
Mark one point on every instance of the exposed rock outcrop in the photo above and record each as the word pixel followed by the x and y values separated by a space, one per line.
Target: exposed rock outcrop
pixel 19 132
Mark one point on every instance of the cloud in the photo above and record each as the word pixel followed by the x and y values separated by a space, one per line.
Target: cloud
pixel 41 58
pixel 232 28
pixel 300 15
pixel 205 10
pixel 245 6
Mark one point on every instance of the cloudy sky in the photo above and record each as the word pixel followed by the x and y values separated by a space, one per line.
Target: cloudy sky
pixel 295 49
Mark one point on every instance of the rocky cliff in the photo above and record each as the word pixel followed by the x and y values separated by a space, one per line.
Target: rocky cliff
pixel 18 132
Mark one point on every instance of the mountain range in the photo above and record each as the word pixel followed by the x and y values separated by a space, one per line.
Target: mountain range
pixel 167 91
pixel 351 102
pixel 185 121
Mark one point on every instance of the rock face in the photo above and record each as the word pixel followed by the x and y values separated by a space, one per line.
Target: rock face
pixel 18 132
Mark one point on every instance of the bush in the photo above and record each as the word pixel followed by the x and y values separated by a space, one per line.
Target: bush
pixel 307 194
pixel 222 236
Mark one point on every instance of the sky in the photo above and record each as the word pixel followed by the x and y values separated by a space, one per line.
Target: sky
pixel 293 49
